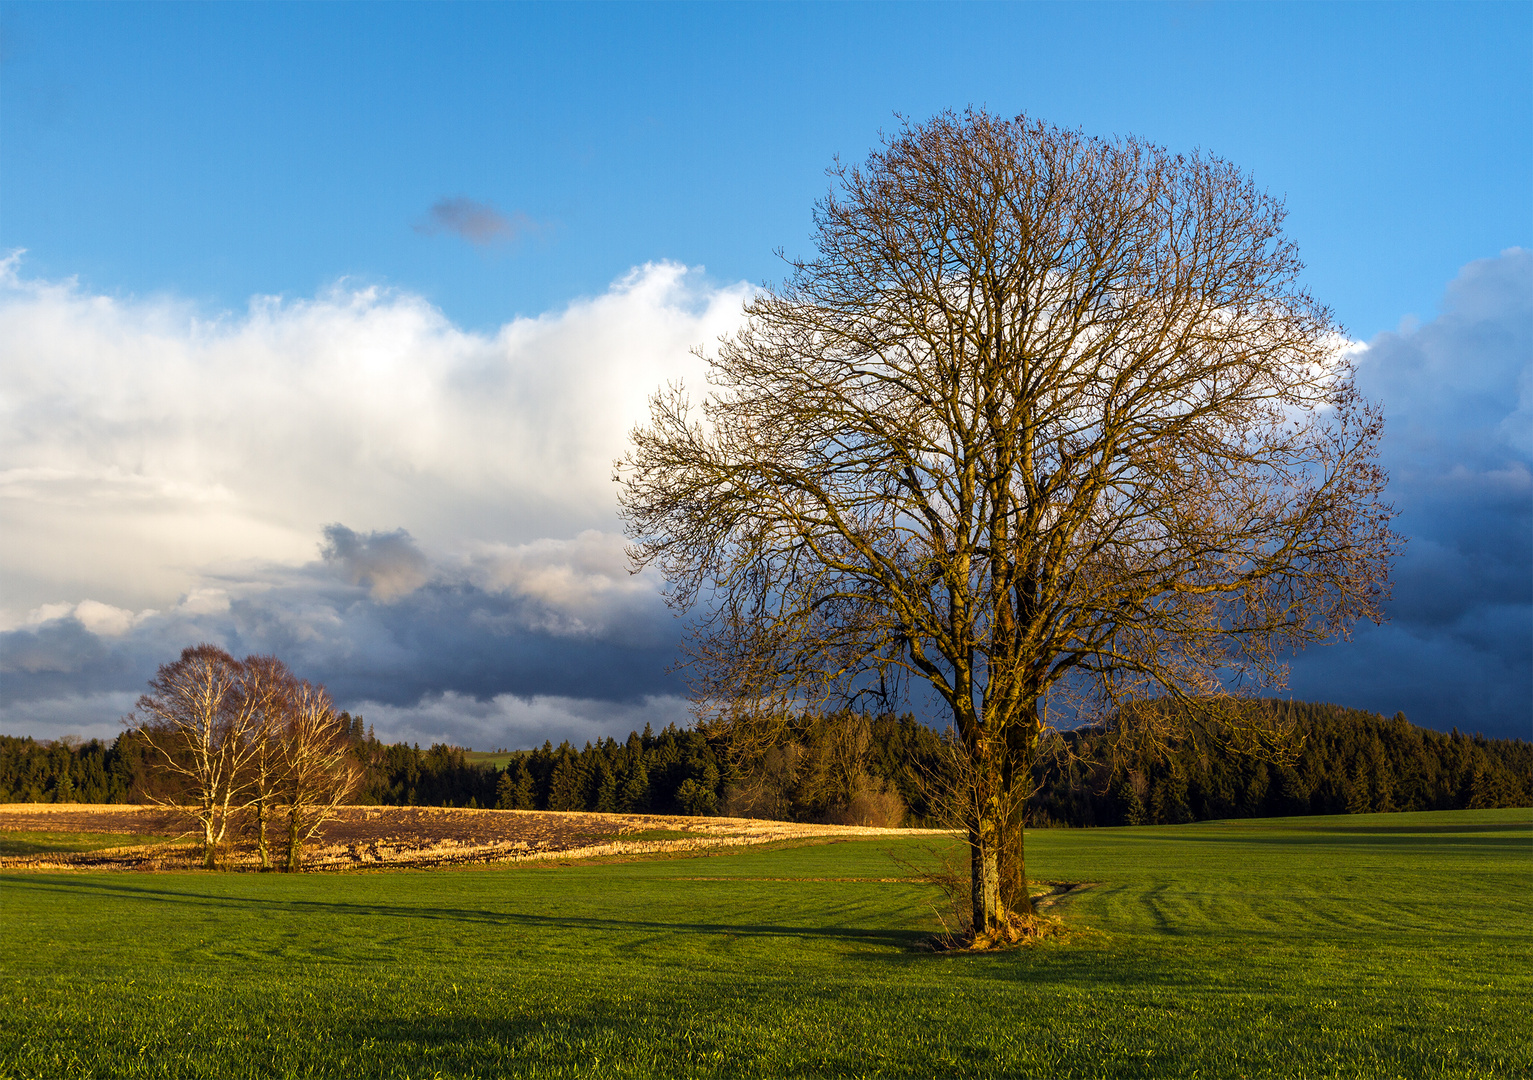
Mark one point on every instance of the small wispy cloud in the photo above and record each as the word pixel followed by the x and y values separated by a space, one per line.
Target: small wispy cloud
pixel 477 222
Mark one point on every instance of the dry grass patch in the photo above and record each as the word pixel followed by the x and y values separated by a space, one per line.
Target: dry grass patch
pixel 409 836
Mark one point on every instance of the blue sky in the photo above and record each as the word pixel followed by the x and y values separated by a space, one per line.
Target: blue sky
pixel 519 218
pixel 220 151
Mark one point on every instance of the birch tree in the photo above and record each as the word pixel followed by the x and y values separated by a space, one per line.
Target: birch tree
pixel 318 772
pixel 1045 417
pixel 197 724
pixel 270 688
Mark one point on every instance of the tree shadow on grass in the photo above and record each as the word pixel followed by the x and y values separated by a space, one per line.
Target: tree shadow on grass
pixel 263 907
pixel 1525 827
pixel 1500 837
pixel 1078 965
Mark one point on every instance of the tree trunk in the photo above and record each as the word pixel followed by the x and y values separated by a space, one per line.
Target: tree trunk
pixel 209 842
pixel 1001 775
pixel 986 796
pixel 294 844
pixel 1014 893
pixel 1016 789
pixel 985 877
pixel 262 814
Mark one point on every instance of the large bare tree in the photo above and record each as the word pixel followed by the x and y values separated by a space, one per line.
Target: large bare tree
pixel 1046 417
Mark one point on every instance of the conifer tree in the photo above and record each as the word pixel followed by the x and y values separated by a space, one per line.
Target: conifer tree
pixel 635 797
pixel 564 784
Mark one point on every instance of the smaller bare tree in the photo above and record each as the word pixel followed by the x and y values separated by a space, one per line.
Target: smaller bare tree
pixel 198 723
pixel 317 769
pixel 269 687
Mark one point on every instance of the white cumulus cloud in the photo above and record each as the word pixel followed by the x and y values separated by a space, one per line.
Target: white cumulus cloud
pixel 143 442
pixel 406 510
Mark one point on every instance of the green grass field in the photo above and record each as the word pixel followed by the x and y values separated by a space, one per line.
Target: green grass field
pixel 1387 945
pixel 486 758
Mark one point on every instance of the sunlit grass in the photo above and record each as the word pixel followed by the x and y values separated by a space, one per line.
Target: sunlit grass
pixel 487 758
pixel 1390 945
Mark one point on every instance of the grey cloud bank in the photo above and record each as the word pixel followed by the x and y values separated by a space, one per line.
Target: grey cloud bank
pixel 1458 400
pixel 505 646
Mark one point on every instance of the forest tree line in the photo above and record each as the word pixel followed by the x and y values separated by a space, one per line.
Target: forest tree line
pixel 1349 762
pixel 858 769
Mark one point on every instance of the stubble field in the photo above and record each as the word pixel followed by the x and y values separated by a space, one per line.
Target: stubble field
pixel 112 837
pixel 1384 945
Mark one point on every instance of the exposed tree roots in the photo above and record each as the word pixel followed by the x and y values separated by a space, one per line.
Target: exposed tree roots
pixel 1017 931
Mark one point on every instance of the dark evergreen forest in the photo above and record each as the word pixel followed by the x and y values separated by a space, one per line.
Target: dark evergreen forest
pixel 857 769
pixel 1350 762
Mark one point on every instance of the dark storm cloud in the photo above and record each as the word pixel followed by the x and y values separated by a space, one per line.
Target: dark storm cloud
pixel 477 222
pixel 388 564
pixel 1458 401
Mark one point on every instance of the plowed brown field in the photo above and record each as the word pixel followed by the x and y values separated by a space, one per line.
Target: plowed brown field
pixel 404 836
